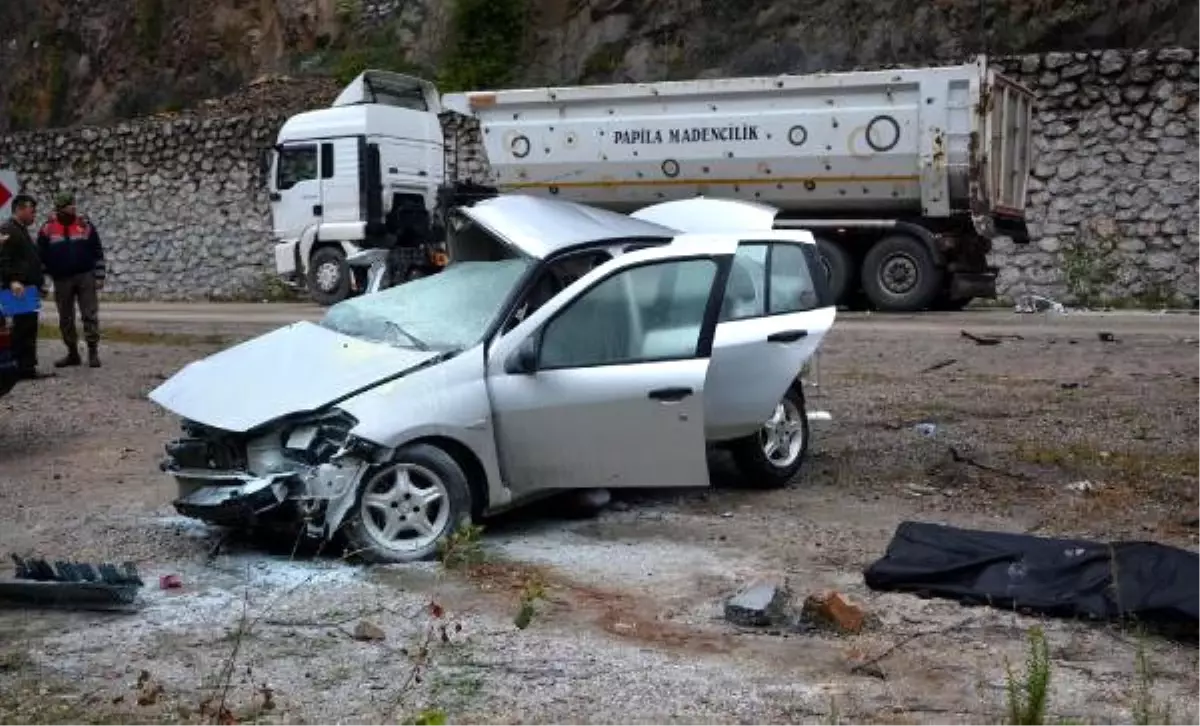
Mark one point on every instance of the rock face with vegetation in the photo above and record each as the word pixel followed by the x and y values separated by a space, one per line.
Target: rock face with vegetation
pixel 1113 199
pixel 69 61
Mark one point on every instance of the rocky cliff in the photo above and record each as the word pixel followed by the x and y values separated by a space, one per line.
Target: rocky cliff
pixel 1113 204
pixel 69 61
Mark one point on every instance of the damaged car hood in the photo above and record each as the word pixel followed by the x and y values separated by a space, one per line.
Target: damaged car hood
pixel 302 367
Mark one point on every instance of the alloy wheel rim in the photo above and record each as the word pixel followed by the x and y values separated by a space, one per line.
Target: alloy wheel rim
pixel 782 436
pixel 406 507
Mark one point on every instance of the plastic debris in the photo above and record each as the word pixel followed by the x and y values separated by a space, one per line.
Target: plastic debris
pixel 926 429
pixel 1039 304
pixel 170 582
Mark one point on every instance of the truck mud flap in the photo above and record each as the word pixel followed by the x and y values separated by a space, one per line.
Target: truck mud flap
pixel 972 284
pixel 1014 228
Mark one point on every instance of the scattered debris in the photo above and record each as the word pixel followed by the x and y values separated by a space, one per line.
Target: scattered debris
pixel 940 365
pixel 926 429
pixel 1039 304
pixel 77 585
pixel 148 689
pixel 920 490
pixel 1106 337
pixel 1084 486
pixel 834 610
pixel 870 667
pixel 367 630
pixel 960 458
pixel 762 603
pixel 980 339
pixel 170 582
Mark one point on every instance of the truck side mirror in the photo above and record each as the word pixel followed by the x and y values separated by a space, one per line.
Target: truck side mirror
pixel 523 361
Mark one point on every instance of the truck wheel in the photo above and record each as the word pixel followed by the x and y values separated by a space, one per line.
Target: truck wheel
pixel 899 275
pixel 839 270
pixel 406 508
pixel 328 276
pixel 771 457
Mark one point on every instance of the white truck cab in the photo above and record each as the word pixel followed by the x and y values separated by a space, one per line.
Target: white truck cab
pixel 340 177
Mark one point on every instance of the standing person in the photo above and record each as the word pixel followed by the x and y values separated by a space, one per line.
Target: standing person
pixel 71 251
pixel 21 275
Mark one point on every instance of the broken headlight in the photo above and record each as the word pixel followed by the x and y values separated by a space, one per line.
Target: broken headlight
pixel 316 440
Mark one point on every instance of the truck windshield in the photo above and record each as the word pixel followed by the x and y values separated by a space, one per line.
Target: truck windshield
pixel 447 311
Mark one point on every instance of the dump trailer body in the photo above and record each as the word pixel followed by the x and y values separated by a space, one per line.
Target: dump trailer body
pixel 873 162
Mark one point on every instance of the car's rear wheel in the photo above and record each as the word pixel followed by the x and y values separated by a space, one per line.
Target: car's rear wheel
pixel 406 508
pixel 772 457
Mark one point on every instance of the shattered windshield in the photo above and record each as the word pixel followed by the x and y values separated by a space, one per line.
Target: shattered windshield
pixel 447 311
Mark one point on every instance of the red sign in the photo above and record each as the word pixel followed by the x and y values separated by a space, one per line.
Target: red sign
pixel 5 194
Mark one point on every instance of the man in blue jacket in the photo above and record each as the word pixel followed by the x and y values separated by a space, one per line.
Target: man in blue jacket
pixel 74 258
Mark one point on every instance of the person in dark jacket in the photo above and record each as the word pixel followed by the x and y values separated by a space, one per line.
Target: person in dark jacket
pixel 20 272
pixel 73 256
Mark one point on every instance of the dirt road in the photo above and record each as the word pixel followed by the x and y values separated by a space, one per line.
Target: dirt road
pixel 628 628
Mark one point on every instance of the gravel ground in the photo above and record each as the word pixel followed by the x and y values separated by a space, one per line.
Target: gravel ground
pixel 629 628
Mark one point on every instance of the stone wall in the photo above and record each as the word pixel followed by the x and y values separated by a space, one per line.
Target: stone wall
pixel 1113 195
pixel 177 202
pixel 1113 199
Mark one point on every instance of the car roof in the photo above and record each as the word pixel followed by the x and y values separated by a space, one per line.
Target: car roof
pixel 541 227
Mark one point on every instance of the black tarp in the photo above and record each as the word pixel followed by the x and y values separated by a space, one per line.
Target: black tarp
pixel 1144 581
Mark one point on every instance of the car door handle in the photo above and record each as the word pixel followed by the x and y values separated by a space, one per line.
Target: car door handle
pixel 787 336
pixel 276 196
pixel 318 210
pixel 670 395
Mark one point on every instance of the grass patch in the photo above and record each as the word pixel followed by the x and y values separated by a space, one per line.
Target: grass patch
pixel 142 337
pixel 1130 466
pixel 1028 695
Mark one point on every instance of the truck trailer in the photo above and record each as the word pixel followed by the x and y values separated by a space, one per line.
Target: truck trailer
pixel 905 176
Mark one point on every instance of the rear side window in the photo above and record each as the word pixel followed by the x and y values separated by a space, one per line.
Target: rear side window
pixel 772 278
pixel 791 288
pixel 326 161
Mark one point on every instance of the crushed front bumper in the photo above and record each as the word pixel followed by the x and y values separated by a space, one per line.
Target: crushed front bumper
pixel 229 498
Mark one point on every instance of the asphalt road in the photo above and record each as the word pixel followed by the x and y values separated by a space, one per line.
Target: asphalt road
pixel 228 318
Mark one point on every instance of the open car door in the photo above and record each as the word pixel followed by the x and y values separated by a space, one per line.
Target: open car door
pixel 603 386
pixel 775 312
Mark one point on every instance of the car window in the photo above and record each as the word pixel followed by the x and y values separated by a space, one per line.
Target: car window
pixel 296 164
pixel 645 313
pixel 447 311
pixel 745 293
pixel 791 288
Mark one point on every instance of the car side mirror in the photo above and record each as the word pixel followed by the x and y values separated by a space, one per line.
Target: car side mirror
pixel 523 361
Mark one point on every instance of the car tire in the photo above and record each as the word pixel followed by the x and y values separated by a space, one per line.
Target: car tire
pixel 762 469
pixel 839 270
pixel 899 274
pixel 328 276
pixel 386 503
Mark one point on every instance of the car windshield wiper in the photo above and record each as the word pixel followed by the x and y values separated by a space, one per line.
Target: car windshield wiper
pixel 420 344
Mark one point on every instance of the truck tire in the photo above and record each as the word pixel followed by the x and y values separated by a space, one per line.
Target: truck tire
pixel 328 276
pixel 899 275
pixel 839 270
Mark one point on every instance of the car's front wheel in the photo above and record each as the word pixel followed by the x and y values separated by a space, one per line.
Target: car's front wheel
pixel 771 458
pixel 407 507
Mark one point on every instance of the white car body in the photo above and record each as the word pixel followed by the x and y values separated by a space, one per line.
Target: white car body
pixel 697 352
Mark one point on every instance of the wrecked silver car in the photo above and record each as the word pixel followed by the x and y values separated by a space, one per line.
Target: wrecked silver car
pixel 563 348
